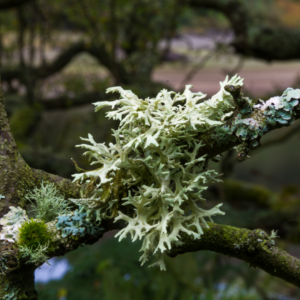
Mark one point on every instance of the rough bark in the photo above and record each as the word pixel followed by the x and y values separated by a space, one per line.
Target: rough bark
pixel 17 278
pixel 278 211
pixel 18 284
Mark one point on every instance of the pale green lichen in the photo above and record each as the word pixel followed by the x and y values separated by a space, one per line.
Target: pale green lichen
pixel 36 256
pixel 274 235
pixel 157 148
pixel 47 202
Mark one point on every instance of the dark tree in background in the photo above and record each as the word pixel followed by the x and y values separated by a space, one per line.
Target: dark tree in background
pixel 122 39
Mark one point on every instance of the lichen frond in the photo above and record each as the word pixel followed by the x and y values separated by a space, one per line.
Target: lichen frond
pixel 36 256
pixel 157 149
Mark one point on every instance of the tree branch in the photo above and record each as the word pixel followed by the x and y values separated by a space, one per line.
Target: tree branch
pixel 246 129
pixel 277 211
pixel 254 247
pixel 62 60
pixel 251 37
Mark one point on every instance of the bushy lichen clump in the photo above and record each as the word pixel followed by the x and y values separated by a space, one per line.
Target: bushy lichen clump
pixel 47 202
pixel 156 145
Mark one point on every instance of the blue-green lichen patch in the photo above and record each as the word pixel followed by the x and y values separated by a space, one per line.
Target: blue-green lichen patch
pixel 251 122
pixel 279 110
pixel 223 135
pixel 76 225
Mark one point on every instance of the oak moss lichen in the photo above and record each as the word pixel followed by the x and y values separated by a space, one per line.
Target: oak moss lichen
pixel 157 148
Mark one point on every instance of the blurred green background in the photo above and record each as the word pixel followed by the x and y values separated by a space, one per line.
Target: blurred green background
pixel 59 56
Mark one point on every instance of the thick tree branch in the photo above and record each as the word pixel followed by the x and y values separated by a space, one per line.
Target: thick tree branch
pixel 17 177
pixel 278 211
pixel 252 38
pixel 10 162
pixel 254 247
pixel 246 129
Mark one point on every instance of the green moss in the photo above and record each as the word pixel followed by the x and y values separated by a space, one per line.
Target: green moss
pixel 34 233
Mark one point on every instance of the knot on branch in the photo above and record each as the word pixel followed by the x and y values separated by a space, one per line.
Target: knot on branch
pixel 9 260
pixel 262 240
pixel 243 104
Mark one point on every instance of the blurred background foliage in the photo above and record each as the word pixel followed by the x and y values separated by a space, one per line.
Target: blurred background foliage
pixel 59 56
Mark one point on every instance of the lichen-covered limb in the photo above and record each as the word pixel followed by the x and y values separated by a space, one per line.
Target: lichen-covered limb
pixel 164 148
pixel 278 211
pixel 16 179
pixel 250 122
pixel 16 176
pixel 252 246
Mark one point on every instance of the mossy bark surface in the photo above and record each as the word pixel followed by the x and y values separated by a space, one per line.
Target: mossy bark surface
pixel 252 246
pixel 16 179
